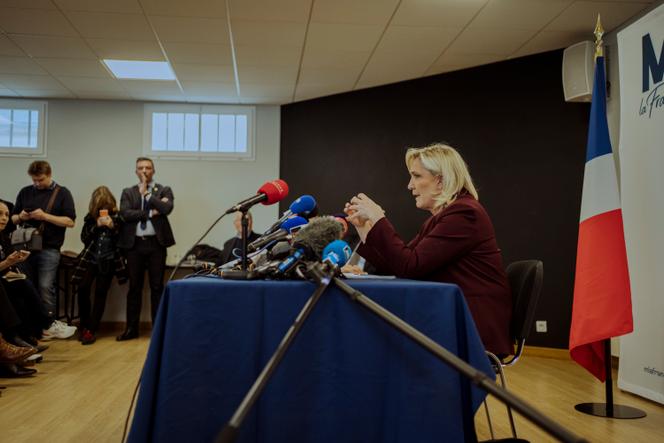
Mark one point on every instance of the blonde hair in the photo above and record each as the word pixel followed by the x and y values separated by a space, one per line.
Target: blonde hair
pixel 444 161
pixel 102 198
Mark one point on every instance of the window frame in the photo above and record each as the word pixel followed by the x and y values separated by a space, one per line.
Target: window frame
pixel 34 105
pixel 249 111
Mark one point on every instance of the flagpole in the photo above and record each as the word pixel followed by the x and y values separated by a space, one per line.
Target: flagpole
pixel 607 409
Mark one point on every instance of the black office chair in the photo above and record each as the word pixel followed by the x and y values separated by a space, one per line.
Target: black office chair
pixel 525 279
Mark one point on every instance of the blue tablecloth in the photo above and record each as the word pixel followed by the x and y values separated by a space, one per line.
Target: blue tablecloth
pixel 348 377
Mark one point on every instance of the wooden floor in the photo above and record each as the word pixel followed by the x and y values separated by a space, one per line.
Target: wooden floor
pixel 82 394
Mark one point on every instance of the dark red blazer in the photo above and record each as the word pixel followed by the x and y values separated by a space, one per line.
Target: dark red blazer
pixel 457 245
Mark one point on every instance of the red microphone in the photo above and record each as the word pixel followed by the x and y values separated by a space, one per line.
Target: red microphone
pixel 270 193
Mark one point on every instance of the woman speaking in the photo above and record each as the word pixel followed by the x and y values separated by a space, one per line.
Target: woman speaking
pixel 457 244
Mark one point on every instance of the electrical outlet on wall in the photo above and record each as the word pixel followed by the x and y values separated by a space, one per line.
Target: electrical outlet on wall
pixel 540 325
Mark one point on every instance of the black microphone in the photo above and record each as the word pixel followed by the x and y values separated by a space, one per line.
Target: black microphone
pixel 271 192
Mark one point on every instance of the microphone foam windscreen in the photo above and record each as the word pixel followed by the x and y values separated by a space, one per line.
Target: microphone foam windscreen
pixel 293 222
pixel 317 234
pixel 303 205
pixel 275 190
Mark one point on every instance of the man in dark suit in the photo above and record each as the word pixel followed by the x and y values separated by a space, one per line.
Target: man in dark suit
pixel 144 235
pixel 233 246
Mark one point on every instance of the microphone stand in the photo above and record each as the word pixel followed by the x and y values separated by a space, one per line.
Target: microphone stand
pixel 229 433
pixel 245 234
pixel 478 378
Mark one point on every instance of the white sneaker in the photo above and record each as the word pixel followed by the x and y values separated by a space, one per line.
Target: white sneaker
pixel 58 329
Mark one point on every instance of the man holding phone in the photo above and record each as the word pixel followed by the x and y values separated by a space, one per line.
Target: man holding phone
pixel 49 207
pixel 144 236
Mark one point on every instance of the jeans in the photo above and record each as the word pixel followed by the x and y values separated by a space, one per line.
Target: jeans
pixel 41 267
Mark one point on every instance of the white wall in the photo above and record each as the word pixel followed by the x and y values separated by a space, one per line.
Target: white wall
pixel 90 143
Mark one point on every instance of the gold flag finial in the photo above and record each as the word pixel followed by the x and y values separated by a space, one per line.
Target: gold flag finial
pixel 599 43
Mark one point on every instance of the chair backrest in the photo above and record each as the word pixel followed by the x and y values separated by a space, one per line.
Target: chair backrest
pixel 525 279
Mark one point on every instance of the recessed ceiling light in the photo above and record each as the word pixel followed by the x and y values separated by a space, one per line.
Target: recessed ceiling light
pixel 140 70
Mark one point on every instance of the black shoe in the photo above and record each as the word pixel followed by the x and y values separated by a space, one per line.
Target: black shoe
pixel 12 371
pixel 128 334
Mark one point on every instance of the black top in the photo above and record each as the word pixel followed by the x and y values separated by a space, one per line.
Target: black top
pixel 233 244
pixel 31 198
pixel 132 213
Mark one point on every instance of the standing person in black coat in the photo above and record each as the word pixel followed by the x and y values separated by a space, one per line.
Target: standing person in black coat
pixel 145 235
pixel 99 261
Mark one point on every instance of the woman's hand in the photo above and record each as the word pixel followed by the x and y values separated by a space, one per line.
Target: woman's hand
pixel 362 209
pixel 13 259
pixel 363 213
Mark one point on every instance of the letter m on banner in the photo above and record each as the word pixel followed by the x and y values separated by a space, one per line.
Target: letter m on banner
pixel 651 65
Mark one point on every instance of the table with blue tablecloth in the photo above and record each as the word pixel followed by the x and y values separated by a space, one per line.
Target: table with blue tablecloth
pixel 348 376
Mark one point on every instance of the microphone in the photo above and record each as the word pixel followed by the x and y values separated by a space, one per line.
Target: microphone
pixel 287 227
pixel 270 193
pixel 302 206
pixel 337 253
pixel 309 242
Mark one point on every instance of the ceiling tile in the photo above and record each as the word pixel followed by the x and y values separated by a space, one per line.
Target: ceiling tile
pixel 36 22
pixel 8 47
pixel 124 6
pixel 308 91
pixel 189 8
pixel 4 92
pixel 387 67
pixel 452 13
pixel 27 4
pixel 30 82
pixel 582 15
pixel 50 46
pixel 103 95
pixel 201 89
pixel 111 25
pixel 343 37
pixel 45 93
pixel 19 65
pixel 150 87
pixel 324 58
pixel 519 14
pixel 74 68
pixel 484 41
pixel 328 76
pixel 158 97
pixel 365 12
pixel 187 29
pixel 199 72
pixel 268 34
pixel 550 40
pixel 126 50
pixel 267 74
pixel 265 89
pixel 270 10
pixel 421 39
pixel 77 84
pixel 214 54
pixel 459 61
pixel 259 56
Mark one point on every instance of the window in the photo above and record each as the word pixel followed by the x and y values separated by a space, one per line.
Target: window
pixel 199 131
pixel 22 128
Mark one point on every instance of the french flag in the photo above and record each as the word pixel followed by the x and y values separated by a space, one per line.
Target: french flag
pixel 602 305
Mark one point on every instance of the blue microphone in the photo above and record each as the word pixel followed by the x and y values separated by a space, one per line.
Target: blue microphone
pixel 337 253
pixel 289 226
pixel 303 206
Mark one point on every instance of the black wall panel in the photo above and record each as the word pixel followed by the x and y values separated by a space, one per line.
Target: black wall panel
pixel 525 147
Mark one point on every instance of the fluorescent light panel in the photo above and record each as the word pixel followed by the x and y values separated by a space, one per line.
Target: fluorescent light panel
pixel 140 70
